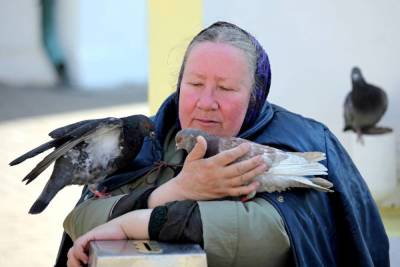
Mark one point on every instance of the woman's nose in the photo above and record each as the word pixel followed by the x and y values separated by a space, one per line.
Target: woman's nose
pixel 207 100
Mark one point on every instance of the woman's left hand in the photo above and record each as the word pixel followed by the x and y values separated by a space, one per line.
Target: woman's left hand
pixel 132 225
pixel 108 231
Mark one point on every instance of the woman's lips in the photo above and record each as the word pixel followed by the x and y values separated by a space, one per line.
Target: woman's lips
pixel 206 122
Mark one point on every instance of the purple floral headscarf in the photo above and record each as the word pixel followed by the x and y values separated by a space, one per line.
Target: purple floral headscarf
pixel 262 76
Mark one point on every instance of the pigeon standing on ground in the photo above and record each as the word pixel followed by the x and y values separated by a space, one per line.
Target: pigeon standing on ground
pixel 86 152
pixel 286 169
pixel 364 106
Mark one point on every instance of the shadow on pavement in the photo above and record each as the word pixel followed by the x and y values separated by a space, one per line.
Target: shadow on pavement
pixel 28 101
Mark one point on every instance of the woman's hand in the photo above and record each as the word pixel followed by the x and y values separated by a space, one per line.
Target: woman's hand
pixel 218 176
pixel 108 231
pixel 132 225
pixel 211 178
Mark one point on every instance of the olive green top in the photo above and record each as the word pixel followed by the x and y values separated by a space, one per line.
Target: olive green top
pixel 235 233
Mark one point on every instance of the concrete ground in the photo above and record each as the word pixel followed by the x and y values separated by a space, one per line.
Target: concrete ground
pixel 27 114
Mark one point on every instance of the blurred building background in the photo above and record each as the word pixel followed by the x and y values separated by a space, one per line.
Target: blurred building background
pixel 312 46
pixel 65 59
pixel 102 44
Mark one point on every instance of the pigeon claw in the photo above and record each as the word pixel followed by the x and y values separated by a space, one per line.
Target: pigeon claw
pixel 101 195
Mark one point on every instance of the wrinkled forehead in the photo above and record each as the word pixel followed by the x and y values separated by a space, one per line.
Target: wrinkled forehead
pixel 222 46
pixel 223 61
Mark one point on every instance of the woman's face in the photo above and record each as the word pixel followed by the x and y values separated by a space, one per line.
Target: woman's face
pixel 215 89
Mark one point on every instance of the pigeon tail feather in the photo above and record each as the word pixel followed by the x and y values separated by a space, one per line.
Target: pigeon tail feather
pixel 41 166
pixel 294 169
pixel 322 182
pixel 286 182
pixel 318 183
pixel 35 152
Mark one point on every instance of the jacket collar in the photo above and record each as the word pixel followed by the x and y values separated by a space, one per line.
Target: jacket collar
pixel 263 119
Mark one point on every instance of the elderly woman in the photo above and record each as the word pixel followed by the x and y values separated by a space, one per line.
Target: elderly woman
pixel 222 88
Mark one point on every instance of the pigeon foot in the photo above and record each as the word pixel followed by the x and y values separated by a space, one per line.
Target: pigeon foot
pixel 99 194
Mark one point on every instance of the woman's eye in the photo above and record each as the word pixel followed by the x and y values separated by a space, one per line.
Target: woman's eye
pixel 223 88
pixel 196 84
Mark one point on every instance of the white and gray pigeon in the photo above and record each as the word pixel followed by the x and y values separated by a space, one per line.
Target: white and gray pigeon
pixel 86 152
pixel 286 169
pixel 364 106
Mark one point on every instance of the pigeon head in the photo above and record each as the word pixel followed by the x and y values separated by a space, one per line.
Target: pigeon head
pixel 141 122
pixel 186 139
pixel 149 127
pixel 356 75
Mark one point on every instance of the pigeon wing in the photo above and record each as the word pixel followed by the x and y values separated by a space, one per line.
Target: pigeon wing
pixel 348 113
pixel 60 136
pixel 270 155
pixel 78 135
pixel 62 131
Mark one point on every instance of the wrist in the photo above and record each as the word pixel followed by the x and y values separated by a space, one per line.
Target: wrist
pixel 135 224
pixel 168 192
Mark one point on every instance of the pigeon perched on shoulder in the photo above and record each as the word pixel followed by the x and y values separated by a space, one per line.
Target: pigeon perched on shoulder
pixel 86 152
pixel 286 169
pixel 364 106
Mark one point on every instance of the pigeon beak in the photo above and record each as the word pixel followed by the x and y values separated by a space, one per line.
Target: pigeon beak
pixel 179 141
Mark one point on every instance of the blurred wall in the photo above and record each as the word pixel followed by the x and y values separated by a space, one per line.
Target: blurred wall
pixel 22 60
pixel 313 45
pixel 104 42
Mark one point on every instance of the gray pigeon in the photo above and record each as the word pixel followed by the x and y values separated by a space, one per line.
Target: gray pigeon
pixel 364 106
pixel 86 152
pixel 286 169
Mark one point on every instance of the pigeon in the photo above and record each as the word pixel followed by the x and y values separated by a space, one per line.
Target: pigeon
pixel 364 106
pixel 286 169
pixel 86 152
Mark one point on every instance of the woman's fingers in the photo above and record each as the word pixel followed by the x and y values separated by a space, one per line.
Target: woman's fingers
pixel 77 254
pixel 244 190
pixel 247 177
pixel 82 256
pixel 218 176
pixel 199 150
pixel 73 259
pixel 245 166
pixel 229 156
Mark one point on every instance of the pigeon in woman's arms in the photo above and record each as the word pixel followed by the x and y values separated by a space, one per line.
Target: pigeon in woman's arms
pixel 286 169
